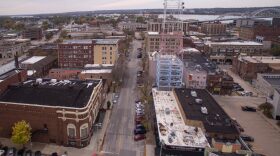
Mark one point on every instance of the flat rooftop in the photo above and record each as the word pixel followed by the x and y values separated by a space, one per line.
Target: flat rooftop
pixel 171 126
pixel 89 41
pixel 97 71
pixel 9 74
pixel 203 107
pixel 33 59
pixel 196 60
pixel 49 92
pixel 273 79
pixel 261 59
pixel 235 43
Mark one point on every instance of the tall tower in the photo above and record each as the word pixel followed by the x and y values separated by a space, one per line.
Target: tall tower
pixel 169 66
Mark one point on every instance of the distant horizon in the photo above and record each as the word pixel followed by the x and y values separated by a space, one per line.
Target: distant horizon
pixel 35 7
pixel 33 14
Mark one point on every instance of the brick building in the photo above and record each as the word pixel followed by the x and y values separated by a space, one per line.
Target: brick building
pixel 33 33
pixel 223 52
pixel 247 67
pixel 61 112
pixel 75 53
pixel 78 53
pixel 11 47
pixel 39 66
pixel 213 28
pixel 268 32
pixel 11 77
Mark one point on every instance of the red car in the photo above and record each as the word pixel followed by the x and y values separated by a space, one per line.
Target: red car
pixel 139 137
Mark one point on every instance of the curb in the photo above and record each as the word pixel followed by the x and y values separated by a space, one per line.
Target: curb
pixel 267 120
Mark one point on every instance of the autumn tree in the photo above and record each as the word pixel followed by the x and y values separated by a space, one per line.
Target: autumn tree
pixel 21 133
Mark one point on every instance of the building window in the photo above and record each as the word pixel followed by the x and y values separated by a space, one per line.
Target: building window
pixel 84 131
pixel 111 48
pixel 71 130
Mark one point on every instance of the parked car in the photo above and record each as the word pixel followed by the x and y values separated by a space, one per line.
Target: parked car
pixel 248 108
pixel 246 93
pixel 139 131
pixel 139 137
pixel 21 152
pixel 28 153
pixel 247 138
pixel 5 149
pixel 139 110
pixel 141 126
pixel 38 153
pixel 54 154
pixel 140 113
pixel 2 153
pixel 12 152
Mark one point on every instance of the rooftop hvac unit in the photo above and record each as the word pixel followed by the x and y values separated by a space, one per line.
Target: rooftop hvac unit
pixel 193 93
pixel 204 110
pixel 199 101
pixel 39 80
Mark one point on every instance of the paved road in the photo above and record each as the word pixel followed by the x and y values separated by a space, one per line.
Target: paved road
pixel 119 136
pixel 267 138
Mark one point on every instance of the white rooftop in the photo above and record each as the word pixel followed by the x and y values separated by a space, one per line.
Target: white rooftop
pixel 172 129
pixel 98 65
pixel 96 71
pixel 236 43
pixel 33 59
pixel 153 33
pixel 30 72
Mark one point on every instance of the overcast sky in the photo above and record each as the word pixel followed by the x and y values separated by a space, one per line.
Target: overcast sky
pixel 12 7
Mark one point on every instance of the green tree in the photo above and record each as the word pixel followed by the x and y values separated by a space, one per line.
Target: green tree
pixel 140 19
pixel 49 36
pixel 19 26
pixel 63 34
pixel 108 104
pixel 21 133
pixel 275 51
pixel 45 25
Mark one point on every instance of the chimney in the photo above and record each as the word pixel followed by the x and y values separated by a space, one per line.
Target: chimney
pixel 16 61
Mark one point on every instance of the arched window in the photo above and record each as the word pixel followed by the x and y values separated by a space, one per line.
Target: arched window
pixel 84 131
pixel 71 130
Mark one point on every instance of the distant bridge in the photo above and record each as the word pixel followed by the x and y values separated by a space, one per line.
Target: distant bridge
pixel 262 13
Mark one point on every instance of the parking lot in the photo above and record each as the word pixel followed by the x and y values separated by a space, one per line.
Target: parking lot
pixel 267 137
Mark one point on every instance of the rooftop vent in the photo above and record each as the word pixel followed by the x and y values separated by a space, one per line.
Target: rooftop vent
pixel 193 93
pixel 204 110
pixel 39 80
pixel 199 101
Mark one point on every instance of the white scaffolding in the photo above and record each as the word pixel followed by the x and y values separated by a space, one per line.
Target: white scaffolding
pixel 169 72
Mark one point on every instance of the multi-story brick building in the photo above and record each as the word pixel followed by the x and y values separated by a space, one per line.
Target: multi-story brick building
pixel 39 66
pixel 11 47
pixel 106 51
pixel 267 32
pixel 247 67
pixel 223 52
pixel 78 53
pixel 33 33
pixel 156 26
pixel 153 40
pixel 75 53
pixel 202 73
pixel 213 28
pixel 61 112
